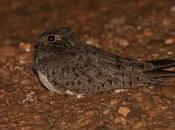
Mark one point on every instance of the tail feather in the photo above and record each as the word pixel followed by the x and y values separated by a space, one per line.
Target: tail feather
pixel 160 73
pixel 162 64
pixel 159 66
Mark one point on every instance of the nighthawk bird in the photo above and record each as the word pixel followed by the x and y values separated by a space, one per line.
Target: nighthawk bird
pixel 66 66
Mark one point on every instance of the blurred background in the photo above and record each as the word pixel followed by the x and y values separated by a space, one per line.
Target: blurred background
pixel 135 29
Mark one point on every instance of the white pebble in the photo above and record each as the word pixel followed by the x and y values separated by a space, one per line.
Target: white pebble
pixel 29 97
pixel 169 41
pixel 124 111
pixel 172 9
pixel 123 42
pixel 25 46
pixel 170 53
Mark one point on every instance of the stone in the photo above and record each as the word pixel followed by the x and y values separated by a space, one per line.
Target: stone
pixel 169 41
pixel 24 46
pixel 123 42
pixel 124 111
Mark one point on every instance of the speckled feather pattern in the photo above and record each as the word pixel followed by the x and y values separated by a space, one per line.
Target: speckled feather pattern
pixel 71 65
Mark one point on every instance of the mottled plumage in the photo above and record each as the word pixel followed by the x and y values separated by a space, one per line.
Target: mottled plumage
pixel 67 66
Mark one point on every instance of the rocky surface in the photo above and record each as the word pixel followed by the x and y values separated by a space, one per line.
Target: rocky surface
pixel 135 29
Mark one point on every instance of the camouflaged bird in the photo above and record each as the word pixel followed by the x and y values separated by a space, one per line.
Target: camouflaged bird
pixel 66 66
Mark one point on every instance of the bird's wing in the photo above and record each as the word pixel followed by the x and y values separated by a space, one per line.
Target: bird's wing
pixel 111 62
pixel 99 56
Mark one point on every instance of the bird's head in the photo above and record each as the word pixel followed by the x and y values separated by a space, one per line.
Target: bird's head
pixel 56 38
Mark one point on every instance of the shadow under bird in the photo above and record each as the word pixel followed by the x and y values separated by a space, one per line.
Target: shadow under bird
pixel 66 66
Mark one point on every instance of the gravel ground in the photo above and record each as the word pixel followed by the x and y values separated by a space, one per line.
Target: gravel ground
pixel 136 29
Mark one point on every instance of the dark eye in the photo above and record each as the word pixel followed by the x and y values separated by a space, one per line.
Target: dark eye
pixel 51 38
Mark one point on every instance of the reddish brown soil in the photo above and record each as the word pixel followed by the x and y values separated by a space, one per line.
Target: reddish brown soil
pixel 136 29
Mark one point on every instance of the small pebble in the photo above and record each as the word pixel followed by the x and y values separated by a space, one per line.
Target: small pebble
pixel 123 42
pixel 26 82
pixel 25 47
pixel 169 41
pixel 172 9
pixel 139 27
pixel 123 111
pixel 29 97
pixel 169 52
pixel 120 90
pixel 92 41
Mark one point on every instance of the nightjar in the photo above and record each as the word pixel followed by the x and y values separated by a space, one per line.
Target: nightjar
pixel 66 66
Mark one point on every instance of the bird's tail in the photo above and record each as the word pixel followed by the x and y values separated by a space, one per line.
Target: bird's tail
pixel 159 66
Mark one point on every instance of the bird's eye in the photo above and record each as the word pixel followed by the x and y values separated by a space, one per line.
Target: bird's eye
pixel 51 38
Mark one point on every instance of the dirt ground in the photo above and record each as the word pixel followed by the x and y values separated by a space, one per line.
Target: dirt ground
pixel 136 29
